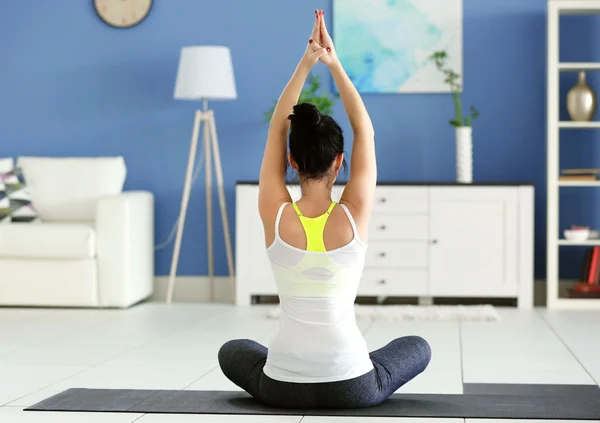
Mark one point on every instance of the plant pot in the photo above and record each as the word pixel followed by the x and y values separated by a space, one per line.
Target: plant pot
pixel 464 154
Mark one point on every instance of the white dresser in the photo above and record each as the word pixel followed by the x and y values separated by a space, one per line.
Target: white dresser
pixel 425 240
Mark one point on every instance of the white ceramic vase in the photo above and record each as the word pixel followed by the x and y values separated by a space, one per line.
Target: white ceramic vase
pixel 464 154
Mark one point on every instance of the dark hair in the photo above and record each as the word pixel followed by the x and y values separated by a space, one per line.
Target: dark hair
pixel 316 140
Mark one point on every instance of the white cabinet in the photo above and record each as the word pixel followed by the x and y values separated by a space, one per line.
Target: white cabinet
pixel 473 250
pixel 424 241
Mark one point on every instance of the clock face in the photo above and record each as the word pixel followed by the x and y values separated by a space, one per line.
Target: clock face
pixel 122 13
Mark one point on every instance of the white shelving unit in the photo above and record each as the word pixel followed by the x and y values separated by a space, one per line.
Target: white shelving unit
pixel 557 8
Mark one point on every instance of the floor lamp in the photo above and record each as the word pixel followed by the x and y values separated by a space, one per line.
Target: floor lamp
pixel 204 73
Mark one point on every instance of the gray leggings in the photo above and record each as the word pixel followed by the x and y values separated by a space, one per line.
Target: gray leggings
pixel 242 361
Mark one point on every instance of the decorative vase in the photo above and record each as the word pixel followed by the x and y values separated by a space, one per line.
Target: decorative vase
pixel 581 101
pixel 464 154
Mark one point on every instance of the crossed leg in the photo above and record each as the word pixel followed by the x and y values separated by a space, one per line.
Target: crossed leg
pixel 242 361
pixel 399 362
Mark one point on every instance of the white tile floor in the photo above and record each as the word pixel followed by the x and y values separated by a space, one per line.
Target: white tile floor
pixel 153 346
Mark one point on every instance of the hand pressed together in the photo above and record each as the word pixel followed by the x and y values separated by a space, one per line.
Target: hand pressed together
pixel 325 40
pixel 320 46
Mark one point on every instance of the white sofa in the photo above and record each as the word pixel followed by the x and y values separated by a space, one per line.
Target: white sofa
pixel 95 245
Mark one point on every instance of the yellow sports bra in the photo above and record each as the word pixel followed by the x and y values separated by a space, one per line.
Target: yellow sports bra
pixel 314 227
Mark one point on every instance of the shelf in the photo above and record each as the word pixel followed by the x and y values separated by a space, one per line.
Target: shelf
pixel 578 10
pixel 583 66
pixel 589 242
pixel 578 183
pixel 575 303
pixel 572 124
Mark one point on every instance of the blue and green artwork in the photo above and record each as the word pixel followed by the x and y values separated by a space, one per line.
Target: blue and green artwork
pixel 384 45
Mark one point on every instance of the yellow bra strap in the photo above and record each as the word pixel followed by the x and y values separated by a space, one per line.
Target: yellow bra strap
pixel 297 209
pixel 330 209
pixel 314 228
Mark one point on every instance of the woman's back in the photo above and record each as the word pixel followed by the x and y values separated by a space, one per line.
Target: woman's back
pixel 315 255
pixel 317 266
pixel 337 231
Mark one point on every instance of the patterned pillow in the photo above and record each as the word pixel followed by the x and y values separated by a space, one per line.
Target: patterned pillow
pixel 15 201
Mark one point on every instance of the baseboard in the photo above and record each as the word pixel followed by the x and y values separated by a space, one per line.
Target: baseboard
pixel 193 289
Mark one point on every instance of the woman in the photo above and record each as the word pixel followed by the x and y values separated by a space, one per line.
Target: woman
pixel 318 357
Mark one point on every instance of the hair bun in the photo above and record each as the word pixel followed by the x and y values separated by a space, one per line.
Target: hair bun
pixel 306 114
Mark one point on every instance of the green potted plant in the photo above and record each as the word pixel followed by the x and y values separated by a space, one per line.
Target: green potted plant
pixel 463 124
pixel 324 102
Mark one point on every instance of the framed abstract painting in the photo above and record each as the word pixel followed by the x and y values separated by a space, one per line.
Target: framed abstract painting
pixel 385 45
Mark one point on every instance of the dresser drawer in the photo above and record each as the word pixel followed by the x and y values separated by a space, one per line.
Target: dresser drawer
pixel 398 227
pixel 409 254
pixel 396 199
pixel 396 282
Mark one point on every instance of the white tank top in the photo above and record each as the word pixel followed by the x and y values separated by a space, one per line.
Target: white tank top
pixel 317 339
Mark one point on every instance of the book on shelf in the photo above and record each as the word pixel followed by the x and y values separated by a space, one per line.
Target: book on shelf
pixel 580 171
pixel 593 272
pixel 589 286
pixel 583 292
pixel 590 266
pixel 578 178
pixel 585 265
pixel 579 175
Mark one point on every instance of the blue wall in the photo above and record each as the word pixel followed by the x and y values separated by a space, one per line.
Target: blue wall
pixel 71 85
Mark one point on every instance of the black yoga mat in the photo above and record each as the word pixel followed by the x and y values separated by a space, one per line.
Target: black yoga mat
pixel 568 402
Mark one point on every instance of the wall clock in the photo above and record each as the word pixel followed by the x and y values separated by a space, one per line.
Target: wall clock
pixel 123 13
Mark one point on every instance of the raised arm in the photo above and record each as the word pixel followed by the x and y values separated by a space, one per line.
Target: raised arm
pixel 359 192
pixel 272 191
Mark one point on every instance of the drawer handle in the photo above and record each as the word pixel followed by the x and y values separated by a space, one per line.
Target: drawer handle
pixel 382 228
pixel 434 241
pixel 382 282
pixel 382 200
pixel 381 254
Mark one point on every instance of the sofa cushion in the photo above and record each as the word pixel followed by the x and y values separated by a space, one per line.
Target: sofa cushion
pixel 48 241
pixel 6 165
pixel 68 189
pixel 15 200
pixel 4 201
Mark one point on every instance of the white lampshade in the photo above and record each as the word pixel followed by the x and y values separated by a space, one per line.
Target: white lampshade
pixel 205 72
